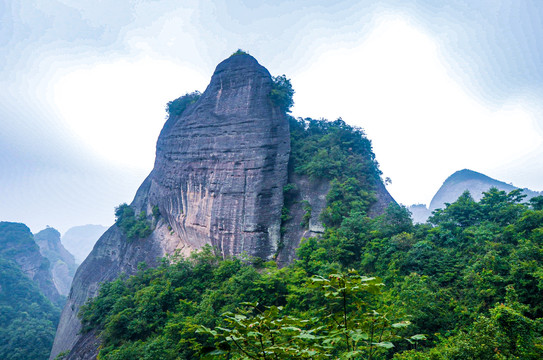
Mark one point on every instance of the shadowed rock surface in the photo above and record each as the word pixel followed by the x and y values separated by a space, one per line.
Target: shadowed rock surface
pixel 62 263
pixel 383 199
pixel 310 194
pixel 218 179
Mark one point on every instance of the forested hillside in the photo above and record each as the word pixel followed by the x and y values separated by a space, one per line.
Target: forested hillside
pixel 28 319
pixel 466 285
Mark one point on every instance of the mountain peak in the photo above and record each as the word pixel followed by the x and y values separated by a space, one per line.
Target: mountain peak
pixel 218 179
pixel 242 60
pixel 48 234
pixel 222 164
pixel 465 175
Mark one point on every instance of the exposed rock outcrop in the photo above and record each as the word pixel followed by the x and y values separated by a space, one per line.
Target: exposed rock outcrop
pixel 112 255
pixel 218 179
pixel 309 200
pixel 62 263
pixel 221 166
pixel 17 244
pixel 306 205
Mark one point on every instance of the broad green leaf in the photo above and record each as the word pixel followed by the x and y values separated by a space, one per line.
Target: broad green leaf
pixel 418 337
pixel 384 344
pixel 401 324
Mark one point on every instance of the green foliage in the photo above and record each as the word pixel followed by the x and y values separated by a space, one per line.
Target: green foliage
pixel 28 320
pixel 307 214
pixel 447 274
pixel 62 356
pixel 282 93
pixel 331 150
pixel 285 214
pixel 176 107
pixel 239 52
pixel 471 282
pixel 156 212
pixel 537 202
pixel 471 279
pixel 338 153
pixel 504 334
pixel 288 188
pixel 346 327
pixel 344 198
pixel 15 240
pixel 464 212
pixel 158 311
pixel 133 227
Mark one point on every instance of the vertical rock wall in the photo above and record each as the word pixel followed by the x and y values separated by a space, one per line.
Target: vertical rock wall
pixel 220 168
pixel 218 179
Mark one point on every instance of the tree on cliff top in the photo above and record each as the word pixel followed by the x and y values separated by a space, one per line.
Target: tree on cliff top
pixel 282 93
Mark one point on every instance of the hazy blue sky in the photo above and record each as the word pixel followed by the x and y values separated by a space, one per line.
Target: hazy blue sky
pixel 437 88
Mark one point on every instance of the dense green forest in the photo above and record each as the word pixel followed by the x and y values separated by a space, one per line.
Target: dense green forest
pixel 466 285
pixel 28 320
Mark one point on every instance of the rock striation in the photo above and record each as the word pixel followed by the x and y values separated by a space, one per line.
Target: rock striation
pixel 221 166
pixel 309 196
pixel 218 179
pixel 220 170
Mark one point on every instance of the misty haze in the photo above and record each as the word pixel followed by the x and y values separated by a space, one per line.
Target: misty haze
pixel 281 180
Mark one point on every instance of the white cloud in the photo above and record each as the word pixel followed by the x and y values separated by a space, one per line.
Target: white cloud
pixel 394 83
pixel 117 108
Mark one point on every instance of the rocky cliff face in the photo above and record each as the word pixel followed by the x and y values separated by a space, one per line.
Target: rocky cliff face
pixel 62 263
pixel 308 200
pixel 17 245
pixel 218 179
pixel 112 255
pixel 221 166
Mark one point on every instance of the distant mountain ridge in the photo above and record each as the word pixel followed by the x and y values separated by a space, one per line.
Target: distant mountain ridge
pixel 17 245
pixel 29 301
pixel 460 181
pixel 62 263
pixel 79 240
